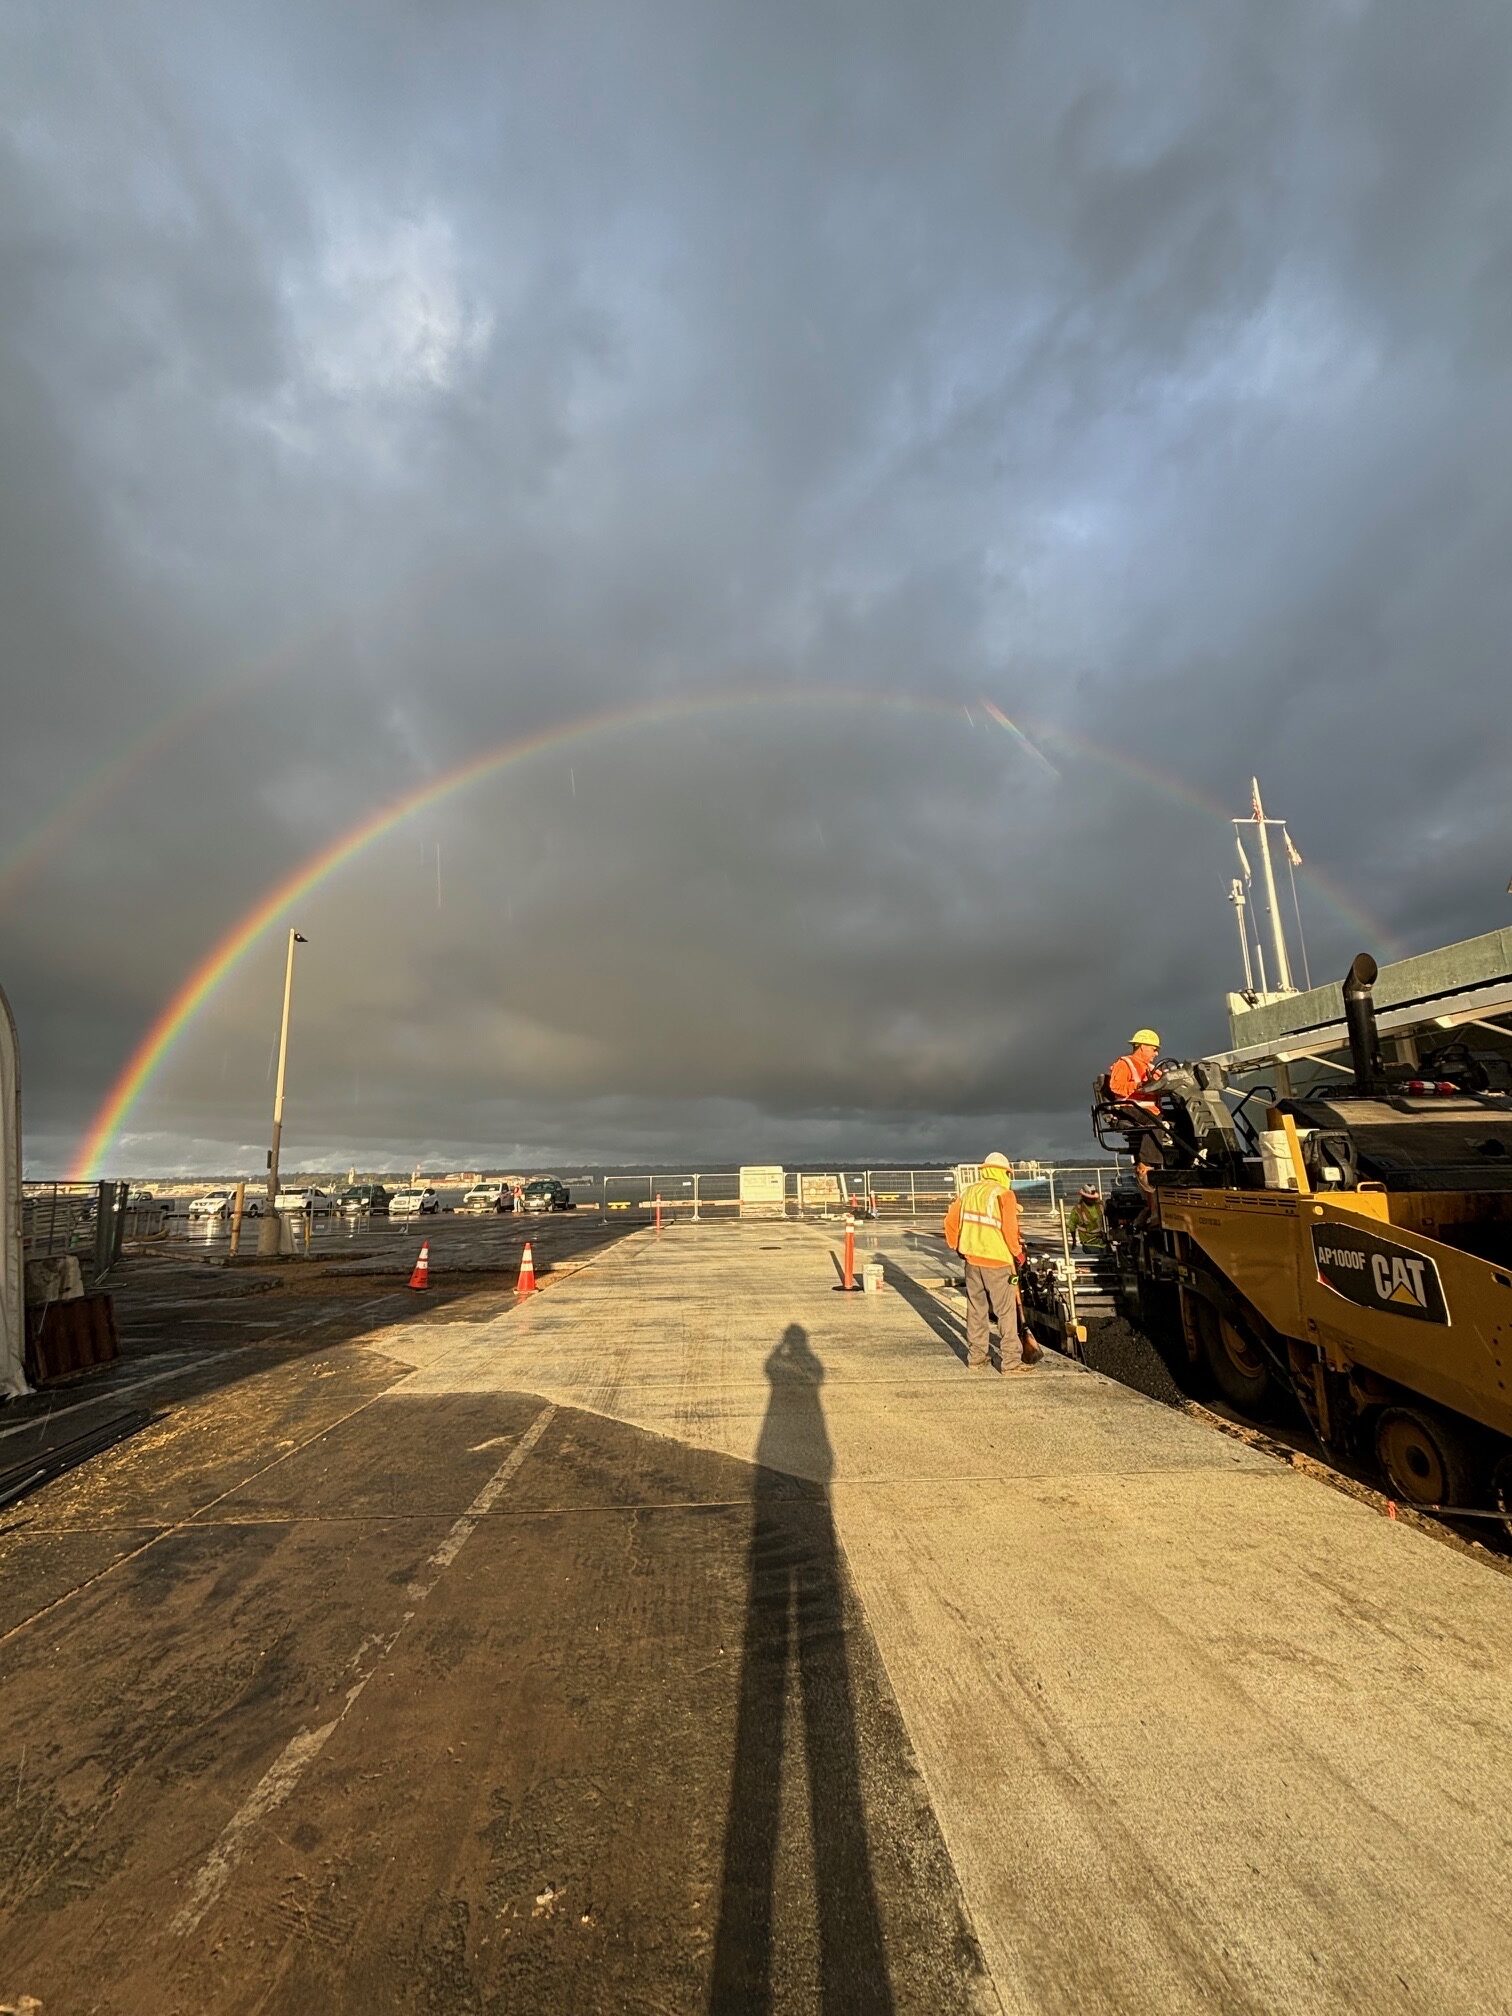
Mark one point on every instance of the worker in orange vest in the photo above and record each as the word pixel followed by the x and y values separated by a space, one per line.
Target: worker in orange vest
pixel 982 1225
pixel 1129 1077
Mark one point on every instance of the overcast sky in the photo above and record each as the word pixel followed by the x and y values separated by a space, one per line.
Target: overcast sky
pixel 382 383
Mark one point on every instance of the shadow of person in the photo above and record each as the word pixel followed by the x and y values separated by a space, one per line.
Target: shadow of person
pixel 795 1618
pixel 925 1305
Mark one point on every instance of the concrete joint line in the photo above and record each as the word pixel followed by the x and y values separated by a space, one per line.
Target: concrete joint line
pixel 281 1777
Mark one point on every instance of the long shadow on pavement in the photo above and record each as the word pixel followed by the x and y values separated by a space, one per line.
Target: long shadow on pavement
pixel 924 1305
pixel 795 1638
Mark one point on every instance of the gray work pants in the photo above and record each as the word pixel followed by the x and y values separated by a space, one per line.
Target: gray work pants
pixel 990 1291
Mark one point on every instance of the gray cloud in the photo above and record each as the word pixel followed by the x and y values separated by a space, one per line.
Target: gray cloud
pixel 377 388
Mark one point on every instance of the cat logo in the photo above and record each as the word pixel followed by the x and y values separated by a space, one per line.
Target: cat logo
pixel 1377 1273
pixel 1400 1280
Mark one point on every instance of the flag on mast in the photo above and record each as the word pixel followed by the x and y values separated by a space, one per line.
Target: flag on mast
pixel 1293 852
pixel 1243 859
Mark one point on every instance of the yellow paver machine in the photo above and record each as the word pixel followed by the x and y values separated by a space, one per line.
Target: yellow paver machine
pixel 1347 1252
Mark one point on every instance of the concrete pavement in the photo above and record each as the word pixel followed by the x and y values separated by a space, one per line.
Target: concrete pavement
pixel 695 1637
pixel 1199 1732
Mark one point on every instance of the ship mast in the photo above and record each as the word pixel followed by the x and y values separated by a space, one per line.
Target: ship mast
pixel 1283 966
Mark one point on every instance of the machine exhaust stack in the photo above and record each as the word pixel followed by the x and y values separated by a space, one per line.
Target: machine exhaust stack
pixel 1360 1019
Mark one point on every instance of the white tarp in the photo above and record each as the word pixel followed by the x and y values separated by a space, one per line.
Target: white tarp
pixel 12 1290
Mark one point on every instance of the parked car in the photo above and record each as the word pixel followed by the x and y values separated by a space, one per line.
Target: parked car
pixel 489 1197
pixel 361 1199
pixel 545 1193
pixel 314 1201
pixel 408 1202
pixel 221 1204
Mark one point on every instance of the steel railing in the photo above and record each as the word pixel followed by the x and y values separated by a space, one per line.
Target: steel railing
pixel 91 1221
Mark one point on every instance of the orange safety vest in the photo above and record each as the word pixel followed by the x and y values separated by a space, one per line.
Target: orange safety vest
pixel 982 1237
pixel 1124 1081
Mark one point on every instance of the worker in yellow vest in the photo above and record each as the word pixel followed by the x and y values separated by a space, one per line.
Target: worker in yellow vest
pixel 1084 1221
pixel 982 1225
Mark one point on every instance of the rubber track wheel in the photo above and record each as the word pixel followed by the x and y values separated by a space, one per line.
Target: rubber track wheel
pixel 1424 1456
pixel 1247 1382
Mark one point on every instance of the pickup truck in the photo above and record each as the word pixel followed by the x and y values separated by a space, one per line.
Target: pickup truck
pixel 221 1203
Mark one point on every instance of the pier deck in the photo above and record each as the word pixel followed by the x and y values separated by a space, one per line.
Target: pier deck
pixel 695 1637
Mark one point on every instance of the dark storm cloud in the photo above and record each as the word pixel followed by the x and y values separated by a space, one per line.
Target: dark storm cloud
pixel 416 378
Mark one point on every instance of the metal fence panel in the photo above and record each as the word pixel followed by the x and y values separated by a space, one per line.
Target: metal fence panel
pixel 626 1193
pixel 88 1220
pixel 58 1218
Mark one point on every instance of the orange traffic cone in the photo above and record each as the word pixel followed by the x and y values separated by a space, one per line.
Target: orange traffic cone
pixel 421 1276
pixel 526 1285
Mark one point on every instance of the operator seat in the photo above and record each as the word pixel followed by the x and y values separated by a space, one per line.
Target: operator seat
pixel 1124 1121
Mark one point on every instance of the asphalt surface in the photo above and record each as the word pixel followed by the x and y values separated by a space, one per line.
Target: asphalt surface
pixel 326 1693
pixel 334 1232
pixel 188 1321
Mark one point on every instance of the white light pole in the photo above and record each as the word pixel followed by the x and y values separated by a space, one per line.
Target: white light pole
pixel 267 1231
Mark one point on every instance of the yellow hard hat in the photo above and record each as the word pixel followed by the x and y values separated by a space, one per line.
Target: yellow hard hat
pixel 1143 1036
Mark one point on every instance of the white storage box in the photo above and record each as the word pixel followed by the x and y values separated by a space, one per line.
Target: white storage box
pixel 1275 1158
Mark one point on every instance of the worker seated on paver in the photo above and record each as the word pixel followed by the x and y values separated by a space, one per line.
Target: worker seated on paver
pixel 982 1225
pixel 1126 1091
pixel 1084 1221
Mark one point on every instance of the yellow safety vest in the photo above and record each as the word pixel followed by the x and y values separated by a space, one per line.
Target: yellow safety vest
pixel 982 1226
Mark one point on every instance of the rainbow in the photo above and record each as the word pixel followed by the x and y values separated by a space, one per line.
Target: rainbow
pixel 202 982
pixel 109 779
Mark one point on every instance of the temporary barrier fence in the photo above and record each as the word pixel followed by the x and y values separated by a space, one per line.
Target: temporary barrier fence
pixel 705 1193
pixel 827 1193
pixel 1064 1180
pixel 95 1220
pixel 89 1220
